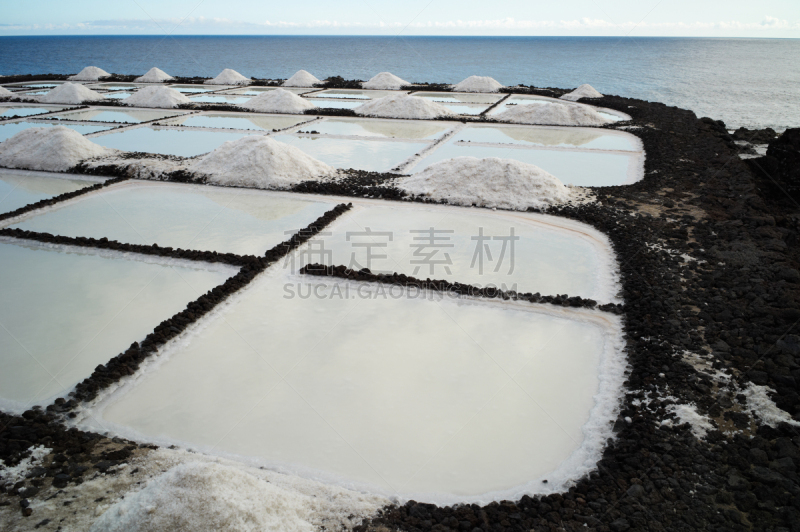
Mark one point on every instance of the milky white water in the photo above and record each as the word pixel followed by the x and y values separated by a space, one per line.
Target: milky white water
pixel 66 310
pixel 403 129
pixel 371 155
pixel 181 216
pixel 26 110
pixel 101 115
pixel 20 188
pixel 9 130
pixel 524 99
pixel 562 137
pixel 459 97
pixel 184 143
pixel 238 121
pixel 355 93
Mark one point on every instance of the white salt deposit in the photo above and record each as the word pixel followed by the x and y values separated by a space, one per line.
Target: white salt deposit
pixel 760 405
pixel 302 78
pixel 53 149
pixel 90 73
pixel 158 96
pixel 584 91
pixel 385 81
pixel 228 77
pixel 5 93
pixel 478 84
pixel 72 93
pixel 278 101
pixel 154 75
pixel 552 114
pixel 403 106
pixel 11 475
pixel 491 182
pixel 261 162
pixel 688 414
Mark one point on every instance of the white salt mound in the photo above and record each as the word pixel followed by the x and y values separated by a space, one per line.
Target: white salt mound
pixel 385 81
pixel 302 78
pixel 584 91
pixel 491 182
pixel 260 162
pixel 199 497
pixel 478 84
pixel 761 405
pixel 228 77
pixel 553 114
pixel 154 75
pixel 161 97
pixel 278 101
pixel 402 106
pixel 90 73
pixel 53 149
pixel 5 93
pixel 72 93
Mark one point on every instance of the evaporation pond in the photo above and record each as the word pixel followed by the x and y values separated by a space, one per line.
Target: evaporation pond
pixel 182 216
pixel 26 110
pixel 66 310
pixel 532 100
pixel 255 91
pixel 18 189
pixel 353 93
pixel 194 88
pixel 403 394
pixel 166 141
pixel 581 168
pixel 473 246
pixel 9 130
pixel 332 103
pixel 565 137
pixel 120 95
pixel 466 108
pixel 404 129
pixel 459 97
pixel 219 98
pixel 370 155
pixel 239 121
pixel 131 117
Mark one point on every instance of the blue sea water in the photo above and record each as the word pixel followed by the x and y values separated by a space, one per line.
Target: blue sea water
pixel 745 82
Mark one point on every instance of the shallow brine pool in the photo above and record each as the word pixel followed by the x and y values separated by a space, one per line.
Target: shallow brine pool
pixel 239 121
pixel 128 117
pixel 255 91
pixel 332 103
pixel 566 137
pixel 9 130
pixel 26 110
pixel 19 187
pixel 354 93
pixel 370 155
pixel 184 143
pixel 403 129
pixel 466 108
pixel 459 97
pixel 195 88
pixel 219 98
pixel 65 310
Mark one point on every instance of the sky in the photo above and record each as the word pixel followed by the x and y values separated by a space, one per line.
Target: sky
pixel 697 18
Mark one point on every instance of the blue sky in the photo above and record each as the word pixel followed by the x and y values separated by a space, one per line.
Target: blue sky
pixel 713 18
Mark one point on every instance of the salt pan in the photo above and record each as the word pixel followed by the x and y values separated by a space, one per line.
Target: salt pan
pixel 552 114
pixel 158 96
pixel 403 106
pixel 584 91
pixel 490 182
pixel 478 84
pixel 261 162
pixel 54 149
pixel 385 81
pixel 90 73
pixel 302 78
pixel 154 75
pixel 278 101
pixel 72 93
pixel 228 77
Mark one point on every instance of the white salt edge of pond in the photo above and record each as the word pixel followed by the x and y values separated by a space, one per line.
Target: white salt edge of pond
pixel 301 78
pixel 762 406
pixel 11 475
pixel 90 73
pixel 154 75
pixel 403 106
pixel 384 81
pixel 688 414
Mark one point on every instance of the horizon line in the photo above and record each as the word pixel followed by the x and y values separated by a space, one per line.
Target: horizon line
pixel 122 35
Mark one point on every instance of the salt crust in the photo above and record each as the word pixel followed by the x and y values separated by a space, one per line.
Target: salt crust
pixel 478 84
pixel 154 75
pixel 385 81
pixel 688 414
pixel 5 93
pixel 157 96
pixel 301 78
pixel 11 475
pixel 584 91
pixel 278 101
pixel 760 405
pixel 261 162
pixel 72 93
pixel 403 106
pixel 53 149
pixel 552 114
pixel 228 77
pixel 90 73
pixel 490 182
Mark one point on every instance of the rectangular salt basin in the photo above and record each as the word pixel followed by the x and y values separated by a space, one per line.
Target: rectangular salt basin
pixel 9 130
pixel 585 169
pixel 121 95
pixel 116 86
pixel 239 121
pixel 355 93
pixel 194 88
pixel 370 155
pixel 436 400
pixel 472 246
pixel 336 104
pixel 466 108
pixel 407 129
pixel 66 310
pixel 204 218
pixel 184 143
pixel 26 110
pixel 20 188
pixel 255 91
pixel 459 97
pixel 564 137
pixel 219 98
pixel 127 117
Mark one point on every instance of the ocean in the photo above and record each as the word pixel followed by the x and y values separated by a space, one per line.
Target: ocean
pixel 745 82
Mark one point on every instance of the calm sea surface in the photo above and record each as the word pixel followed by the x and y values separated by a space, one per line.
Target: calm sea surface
pixel 745 82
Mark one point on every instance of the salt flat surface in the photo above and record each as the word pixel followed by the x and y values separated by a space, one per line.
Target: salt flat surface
pixel 27 110
pixel 232 99
pixel 9 130
pixel 403 129
pixel 64 311
pixel 335 104
pixel 166 141
pixel 131 117
pixel 566 137
pixel 19 188
pixel 439 401
pixel 238 121
pixel 466 108
pixel 371 155
pixel 182 216
pixel 460 97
